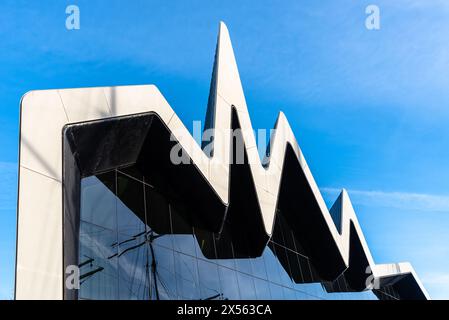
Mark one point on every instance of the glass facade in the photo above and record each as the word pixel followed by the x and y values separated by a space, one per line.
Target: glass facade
pixel 134 243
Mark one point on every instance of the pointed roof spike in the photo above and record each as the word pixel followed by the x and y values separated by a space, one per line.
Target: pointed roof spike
pixel 228 83
pixel 225 82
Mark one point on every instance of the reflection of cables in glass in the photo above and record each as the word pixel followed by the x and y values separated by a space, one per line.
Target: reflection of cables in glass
pixel 128 240
pixel 218 295
pixel 88 261
pixel 151 269
pixel 135 237
pixel 166 290
pixel 153 263
pixel 150 236
pixel 87 275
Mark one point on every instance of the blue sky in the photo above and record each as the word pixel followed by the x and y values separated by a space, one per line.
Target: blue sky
pixel 369 108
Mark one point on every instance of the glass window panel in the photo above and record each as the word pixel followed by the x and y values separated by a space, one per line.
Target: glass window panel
pixel 179 221
pixel 98 263
pixel 314 274
pixel 342 283
pixel 277 293
pixel 244 265
pixel 166 285
pixel 262 289
pixel 163 271
pixel 295 268
pixel 157 211
pixel 229 284
pixel 129 224
pixel 272 265
pixel 305 268
pixel 98 202
pixel 161 240
pixel 312 289
pixel 284 265
pixel 288 237
pixel 246 286
pixel 329 286
pixel 297 246
pixel 209 280
pixel 187 290
pixel 277 232
pixel 134 268
pixel 183 239
pixel 130 206
pixel 184 244
pixel 333 296
pixel 302 295
pixel 242 260
pixel 289 294
pixel 163 258
pixel 284 230
pixel 186 267
pixel 225 252
pixel 258 267
pixel 158 217
pixel 186 277
pixel 205 246
pixel 370 295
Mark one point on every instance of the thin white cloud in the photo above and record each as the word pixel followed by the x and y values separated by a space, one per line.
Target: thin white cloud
pixel 436 279
pixel 437 284
pixel 435 4
pixel 399 200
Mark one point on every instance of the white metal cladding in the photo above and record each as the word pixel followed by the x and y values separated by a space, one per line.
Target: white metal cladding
pixel 39 267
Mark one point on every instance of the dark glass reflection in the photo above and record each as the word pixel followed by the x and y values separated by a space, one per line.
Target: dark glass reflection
pixel 135 243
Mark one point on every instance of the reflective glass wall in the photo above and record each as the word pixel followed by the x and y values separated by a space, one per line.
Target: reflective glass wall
pixel 147 249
